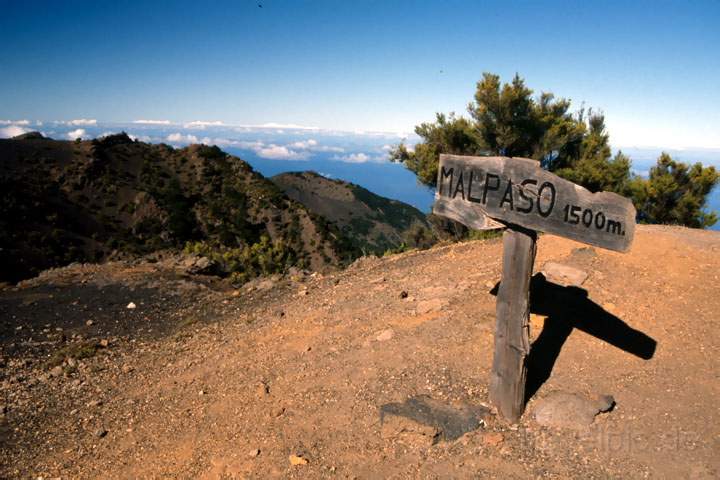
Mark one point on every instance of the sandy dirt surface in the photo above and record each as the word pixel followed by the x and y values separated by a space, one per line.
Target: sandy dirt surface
pixel 378 371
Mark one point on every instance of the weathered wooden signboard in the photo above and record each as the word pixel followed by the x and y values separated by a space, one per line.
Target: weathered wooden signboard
pixel 518 191
pixel 495 192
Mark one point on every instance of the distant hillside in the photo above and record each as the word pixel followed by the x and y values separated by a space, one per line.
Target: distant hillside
pixel 67 201
pixel 373 223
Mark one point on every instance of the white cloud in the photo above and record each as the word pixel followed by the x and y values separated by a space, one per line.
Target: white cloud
pixel 180 138
pixel 300 150
pixel 279 152
pixel 329 149
pixel 353 158
pixel 12 131
pixel 15 122
pixel 79 133
pixel 256 145
pixel 360 158
pixel 288 126
pixel 142 138
pixel 313 146
pixel 82 122
pixel 220 142
pixel 226 142
pixel 152 122
pixel 304 145
pixel 201 125
pixel 387 148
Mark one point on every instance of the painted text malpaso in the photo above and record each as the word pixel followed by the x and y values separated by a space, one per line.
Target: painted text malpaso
pixel 525 196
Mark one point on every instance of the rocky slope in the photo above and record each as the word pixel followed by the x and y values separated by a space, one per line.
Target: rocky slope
pixel 374 224
pixel 64 201
pixel 377 371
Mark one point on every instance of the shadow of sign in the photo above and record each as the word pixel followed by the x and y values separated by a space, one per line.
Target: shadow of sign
pixel 567 308
pixel 450 422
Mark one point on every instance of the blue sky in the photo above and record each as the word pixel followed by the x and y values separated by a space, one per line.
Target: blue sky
pixel 652 67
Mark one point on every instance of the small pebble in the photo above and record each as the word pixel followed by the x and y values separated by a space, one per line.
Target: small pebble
pixel 262 390
pixel 298 460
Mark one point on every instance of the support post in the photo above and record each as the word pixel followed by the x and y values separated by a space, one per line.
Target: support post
pixel 512 343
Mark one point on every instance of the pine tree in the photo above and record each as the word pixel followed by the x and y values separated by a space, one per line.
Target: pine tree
pixel 505 119
pixel 675 193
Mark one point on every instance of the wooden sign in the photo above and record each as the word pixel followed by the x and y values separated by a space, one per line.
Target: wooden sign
pixel 492 192
pixel 518 191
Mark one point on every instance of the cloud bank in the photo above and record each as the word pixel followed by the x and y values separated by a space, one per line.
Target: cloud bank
pixel 79 133
pixel 12 131
pixel 83 122
pixel 15 122
pixel 178 137
pixel 279 152
pixel 202 125
pixel 360 158
pixel 152 122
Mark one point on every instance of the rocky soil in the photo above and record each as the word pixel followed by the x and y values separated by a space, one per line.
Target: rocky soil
pixel 140 370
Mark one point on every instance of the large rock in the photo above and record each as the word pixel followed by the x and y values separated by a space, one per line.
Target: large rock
pixel 198 265
pixel 570 410
pixel 564 275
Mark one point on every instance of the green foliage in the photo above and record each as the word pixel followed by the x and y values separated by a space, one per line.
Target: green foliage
pixel 181 218
pixel 211 152
pixel 244 263
pixel 484 234
pixel 418 236
pixel 509 121
pixel 398 214
pixel 449 134
pixel 361 225
pixel 594 168
pixel 403 247
pixel 505 119
pixel 76 351
pixel 675 193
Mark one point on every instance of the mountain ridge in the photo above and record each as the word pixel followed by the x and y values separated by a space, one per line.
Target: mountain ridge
pixel 373 223
pixel 113 197
pixel 66 201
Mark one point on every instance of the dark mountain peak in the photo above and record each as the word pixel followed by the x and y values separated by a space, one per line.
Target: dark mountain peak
pixel 121 138
pixel 29 136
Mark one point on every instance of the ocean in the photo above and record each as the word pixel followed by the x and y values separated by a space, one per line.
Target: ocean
pixel 714 204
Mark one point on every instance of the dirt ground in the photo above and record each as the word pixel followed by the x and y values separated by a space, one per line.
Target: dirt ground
pixel 313 376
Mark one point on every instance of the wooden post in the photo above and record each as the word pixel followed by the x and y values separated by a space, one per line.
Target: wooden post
pixel 512 343
pixel 479 192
